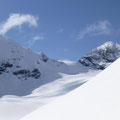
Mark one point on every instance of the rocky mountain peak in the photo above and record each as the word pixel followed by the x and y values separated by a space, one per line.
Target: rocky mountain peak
pixel 109 45
pixel 102 56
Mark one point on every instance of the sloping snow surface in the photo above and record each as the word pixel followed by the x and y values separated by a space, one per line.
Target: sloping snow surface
pixel 98 99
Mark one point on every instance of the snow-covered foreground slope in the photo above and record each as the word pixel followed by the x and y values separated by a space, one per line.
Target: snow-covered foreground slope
pixel 98 99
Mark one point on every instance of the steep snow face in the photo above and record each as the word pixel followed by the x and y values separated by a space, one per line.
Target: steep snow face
pixel 98 99
pixel 102 56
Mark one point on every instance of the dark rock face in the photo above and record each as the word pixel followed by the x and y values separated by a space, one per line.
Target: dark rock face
pixel 23 73
pixel 88 61
pixel 43 57
pixel 27 73
pixel 102 56
pixel 35 73
pixel 4 66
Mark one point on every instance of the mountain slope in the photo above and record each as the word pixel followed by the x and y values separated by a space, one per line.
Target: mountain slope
pixel 22 71
pixel 98 99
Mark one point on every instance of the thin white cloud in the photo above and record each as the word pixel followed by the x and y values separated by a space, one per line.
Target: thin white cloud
pixel 35 39
pixel 38 37
pixel 17 20
pixel 99 28
pixel 66 50
pixel 60 30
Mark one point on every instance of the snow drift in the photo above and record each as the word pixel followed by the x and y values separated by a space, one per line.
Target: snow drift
pixel 98 99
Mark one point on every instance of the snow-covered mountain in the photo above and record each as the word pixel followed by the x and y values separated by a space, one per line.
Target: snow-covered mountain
pixel 22 71
pixel 102 56
pixel 98 99
pixel 29 80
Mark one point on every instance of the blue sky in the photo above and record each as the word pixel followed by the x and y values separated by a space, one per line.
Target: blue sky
pixel 62 29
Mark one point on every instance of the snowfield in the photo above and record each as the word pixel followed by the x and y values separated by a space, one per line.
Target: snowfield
pixel 98 99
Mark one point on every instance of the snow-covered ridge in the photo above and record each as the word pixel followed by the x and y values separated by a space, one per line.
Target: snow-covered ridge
pixel 102 56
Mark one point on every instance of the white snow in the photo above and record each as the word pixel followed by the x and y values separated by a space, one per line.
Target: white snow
pixel 68 62
pixel 109 44
pixel 98 99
